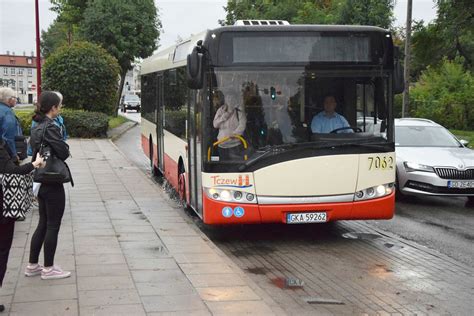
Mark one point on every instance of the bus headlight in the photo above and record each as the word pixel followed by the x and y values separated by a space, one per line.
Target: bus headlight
pixel 227 195
pixel 374 192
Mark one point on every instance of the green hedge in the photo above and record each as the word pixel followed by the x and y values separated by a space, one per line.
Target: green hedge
pixel 85 124
pixel 85 74
pixel 78 123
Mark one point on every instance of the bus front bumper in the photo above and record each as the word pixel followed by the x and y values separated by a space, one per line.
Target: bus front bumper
pixel 223 213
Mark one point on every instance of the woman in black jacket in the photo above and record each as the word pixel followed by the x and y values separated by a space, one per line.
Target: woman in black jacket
pixel 7 225
pixel 51 197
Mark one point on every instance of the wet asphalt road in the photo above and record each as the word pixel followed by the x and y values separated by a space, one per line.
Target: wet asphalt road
pixel 442 224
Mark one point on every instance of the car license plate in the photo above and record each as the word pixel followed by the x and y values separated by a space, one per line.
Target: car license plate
pixel 461 184
pixel 300 218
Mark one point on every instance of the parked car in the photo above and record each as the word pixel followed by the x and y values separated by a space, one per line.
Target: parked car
pixel 432 161
pixel 130 102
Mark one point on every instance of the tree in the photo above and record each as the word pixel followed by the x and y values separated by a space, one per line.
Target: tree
pixel 85 74
pixel 367 12
pixel 455 22
pixel 64 29
pixel 445 94
pixel 70 14
pixel 127 29
pixel 450 35
pixel 55 37
pixel 293 11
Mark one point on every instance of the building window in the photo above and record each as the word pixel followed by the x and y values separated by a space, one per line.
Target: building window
pixel 13 84
pixel 20 84
pixel 12 71
pixel 20 72
pixel 5 71
pixel 30 72
pixel 29 61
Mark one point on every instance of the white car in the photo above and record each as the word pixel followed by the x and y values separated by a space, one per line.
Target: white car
pixel 432 161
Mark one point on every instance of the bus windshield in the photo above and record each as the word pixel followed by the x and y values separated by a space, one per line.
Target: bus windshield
pixel 279 107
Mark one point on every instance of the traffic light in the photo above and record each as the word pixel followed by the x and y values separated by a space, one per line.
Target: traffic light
pixel 273 93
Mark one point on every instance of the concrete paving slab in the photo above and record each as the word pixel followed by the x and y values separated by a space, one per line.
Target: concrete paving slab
pixel 91 270
pixel 210 280
pixel 45 308
pixel 173 303
pixel 229 293
pixel 108 297
pixel 152 264
pixel 45 293
pixel 239 308
pixel 105 283
pixel 100 259
pixel 116 310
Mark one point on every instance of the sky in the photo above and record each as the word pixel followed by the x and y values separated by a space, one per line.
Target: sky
pixel 179 18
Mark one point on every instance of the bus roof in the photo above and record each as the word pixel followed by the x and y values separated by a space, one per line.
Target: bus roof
pixel 171 57
pixel 175 56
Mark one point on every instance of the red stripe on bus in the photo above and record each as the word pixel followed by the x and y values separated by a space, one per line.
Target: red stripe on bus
pixel 382 208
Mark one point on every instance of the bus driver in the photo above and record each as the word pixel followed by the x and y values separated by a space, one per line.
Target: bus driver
pixel 328 120
pixel 230 119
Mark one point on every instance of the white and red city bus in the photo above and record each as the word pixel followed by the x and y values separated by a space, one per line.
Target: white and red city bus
pixel 276 76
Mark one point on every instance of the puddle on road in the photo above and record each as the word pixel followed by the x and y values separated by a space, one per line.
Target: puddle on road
pixel 258 271
pixel 288 283
pixel 361 236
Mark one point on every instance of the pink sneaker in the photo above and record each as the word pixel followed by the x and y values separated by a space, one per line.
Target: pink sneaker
pixel 33 270
pixel 54 272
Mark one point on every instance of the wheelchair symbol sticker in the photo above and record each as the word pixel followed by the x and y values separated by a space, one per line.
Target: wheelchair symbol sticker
pixel 227 212
pixel 239 211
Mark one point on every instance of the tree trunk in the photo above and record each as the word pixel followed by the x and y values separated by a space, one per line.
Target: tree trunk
pixel 123 73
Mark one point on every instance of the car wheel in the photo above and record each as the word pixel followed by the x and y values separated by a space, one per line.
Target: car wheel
pixel 470 202
pixel 398 194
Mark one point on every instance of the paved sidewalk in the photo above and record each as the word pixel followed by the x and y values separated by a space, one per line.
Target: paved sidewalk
pixel 130 250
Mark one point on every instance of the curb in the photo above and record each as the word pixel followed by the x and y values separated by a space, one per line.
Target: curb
pixel 118 131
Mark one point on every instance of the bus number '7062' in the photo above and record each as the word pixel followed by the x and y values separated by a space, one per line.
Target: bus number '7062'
pixel 380 163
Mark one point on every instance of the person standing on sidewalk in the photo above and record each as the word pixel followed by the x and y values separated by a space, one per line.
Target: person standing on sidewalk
pixel 58 120
pixel 9 126
pixel 51 197
pixel 7 225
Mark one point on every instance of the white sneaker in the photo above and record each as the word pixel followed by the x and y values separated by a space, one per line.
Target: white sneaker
pixel 54 272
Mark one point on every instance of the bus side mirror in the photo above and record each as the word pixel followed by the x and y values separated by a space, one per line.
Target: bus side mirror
pixel 398 75
pixel 194 69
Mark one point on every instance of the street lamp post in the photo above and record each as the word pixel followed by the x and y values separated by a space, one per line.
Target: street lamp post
pixel 38 54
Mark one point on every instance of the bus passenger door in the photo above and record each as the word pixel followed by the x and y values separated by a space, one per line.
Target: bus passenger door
pixel 160 122
pixel 192 157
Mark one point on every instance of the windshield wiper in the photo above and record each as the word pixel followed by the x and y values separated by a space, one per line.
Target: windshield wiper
pixel 368 145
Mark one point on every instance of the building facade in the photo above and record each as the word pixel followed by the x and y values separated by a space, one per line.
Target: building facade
pixel 19 73
pixel 132 83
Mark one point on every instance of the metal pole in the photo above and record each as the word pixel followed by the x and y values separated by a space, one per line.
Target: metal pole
pixel 406 92
pixel 38 53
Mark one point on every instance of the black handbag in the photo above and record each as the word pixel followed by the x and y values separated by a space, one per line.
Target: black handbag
pixel 56 171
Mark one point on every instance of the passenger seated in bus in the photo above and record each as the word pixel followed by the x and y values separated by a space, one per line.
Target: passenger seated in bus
pixel 328 120
pixel 230 119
